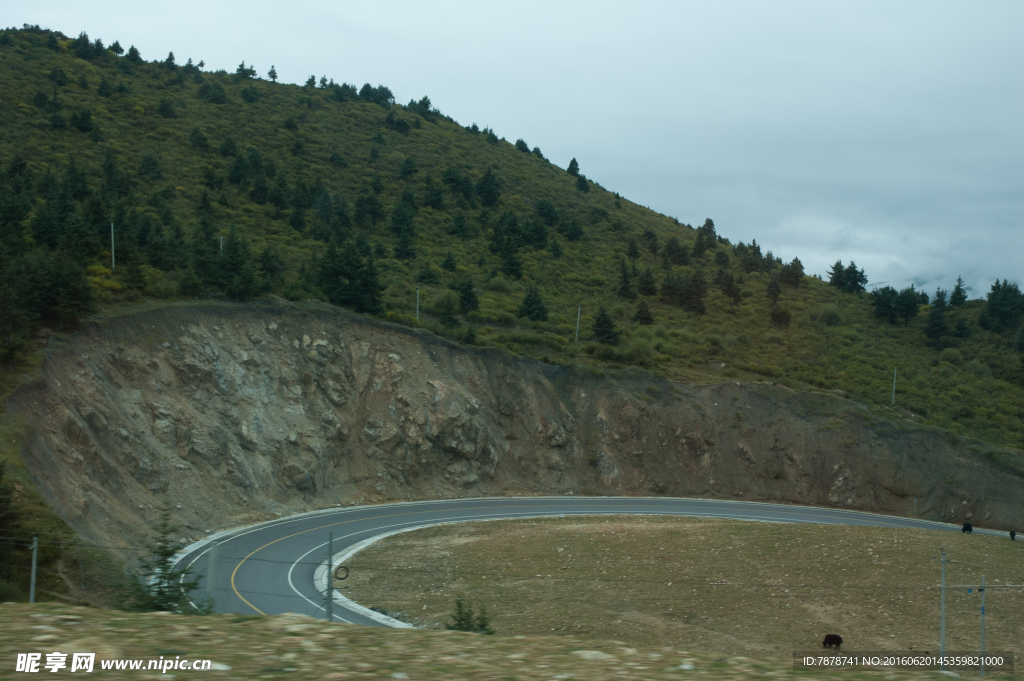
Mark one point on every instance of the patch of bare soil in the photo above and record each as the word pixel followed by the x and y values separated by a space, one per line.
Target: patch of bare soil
pixel 711 585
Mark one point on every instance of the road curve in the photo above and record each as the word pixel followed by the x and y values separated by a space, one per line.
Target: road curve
pixel 268 568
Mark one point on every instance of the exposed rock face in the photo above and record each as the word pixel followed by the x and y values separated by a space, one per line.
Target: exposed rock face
pixel 236 413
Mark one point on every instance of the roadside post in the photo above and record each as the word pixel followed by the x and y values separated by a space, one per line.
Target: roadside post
pixel 330 577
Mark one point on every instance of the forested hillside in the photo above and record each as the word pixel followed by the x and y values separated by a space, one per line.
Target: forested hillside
pixel 232 185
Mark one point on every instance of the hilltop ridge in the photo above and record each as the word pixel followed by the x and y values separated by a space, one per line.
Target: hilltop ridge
pixel 227 185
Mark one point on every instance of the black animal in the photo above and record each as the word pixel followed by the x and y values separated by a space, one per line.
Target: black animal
pixel 832 641
pixel 967 528
pixel 1013 535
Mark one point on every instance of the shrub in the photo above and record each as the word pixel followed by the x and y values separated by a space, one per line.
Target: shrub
pixel 951 355
pixel 830 316
pixel 978 368
pixel 212 93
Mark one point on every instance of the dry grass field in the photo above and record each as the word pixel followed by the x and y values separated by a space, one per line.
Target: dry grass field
pixel 717 586
pixel 296 647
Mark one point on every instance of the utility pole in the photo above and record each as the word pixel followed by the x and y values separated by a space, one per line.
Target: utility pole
pixel 222 250
pixel 113 263
pixel 32 582
pixel 417 302
pixel 330 577
pixel 983 626
pixel 942 611
pixel 894 386
pixel 578 311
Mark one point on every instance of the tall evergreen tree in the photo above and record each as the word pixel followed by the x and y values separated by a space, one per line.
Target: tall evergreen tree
pixel 959 296
pixel 556 249
pixel 582 184
pixel 792 273
pixel 936 327
pixel 625 288
pixel 449 263
pixel 533 307
pixel 604 328
pixel 468 301
pixel 632 250
pixel 433 195
pixel 643 315
pixel 489 189
pixel 695 291
pixel 774 289
pixel 907 304
pixel 646 284
pixel 574 168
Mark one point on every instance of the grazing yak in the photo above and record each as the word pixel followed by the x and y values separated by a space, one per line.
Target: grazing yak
pixel 967 528
pixel 832 641
pixel 1013 535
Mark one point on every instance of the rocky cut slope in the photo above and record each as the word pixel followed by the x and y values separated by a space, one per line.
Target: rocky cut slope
pixel 234 413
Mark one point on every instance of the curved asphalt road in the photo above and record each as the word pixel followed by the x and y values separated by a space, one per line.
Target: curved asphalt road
pixel 268 568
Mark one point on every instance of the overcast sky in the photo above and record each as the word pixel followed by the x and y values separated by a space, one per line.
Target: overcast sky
pixel 890 133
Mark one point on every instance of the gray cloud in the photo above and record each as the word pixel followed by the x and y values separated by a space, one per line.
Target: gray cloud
pixel 886 133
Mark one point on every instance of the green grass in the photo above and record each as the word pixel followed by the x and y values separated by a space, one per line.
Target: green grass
pixel 982 397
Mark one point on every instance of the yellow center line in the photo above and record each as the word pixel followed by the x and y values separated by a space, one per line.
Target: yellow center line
pixel 394 515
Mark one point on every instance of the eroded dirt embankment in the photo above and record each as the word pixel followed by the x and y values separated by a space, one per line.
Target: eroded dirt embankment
pixel 238 413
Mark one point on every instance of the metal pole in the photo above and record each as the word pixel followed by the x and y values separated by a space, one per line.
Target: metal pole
pixel 915 508
pixel 417 302
pixel 942 616
pixel 578 311
pixel 113 263
pixel 32 582
pixel 983 626
pixel 894 386
pixel 222 250
pixel 330 577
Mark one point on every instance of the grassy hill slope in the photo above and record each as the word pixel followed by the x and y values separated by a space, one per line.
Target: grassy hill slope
pixel 319 191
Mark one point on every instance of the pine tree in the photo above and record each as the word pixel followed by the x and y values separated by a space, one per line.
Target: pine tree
pixel 959 296
pixel 462 619
pixel 672 289
pixel 936 326
pixel 604 328
pixel 532 306
pixel 272 74
pixel 445 308
pixel 470 337
pixel 449 263
pixel 643 314
pixel 582 184
pixel 792 273
pixel 961 330
pixel 695 291
pixel 574 168
pixel 408 168
pixel 646 283
pixel 907 304
pixel 433 195
pixel 632 250
pixel 556 249
pixel 625 288
pixel 489 189
pixel 468 300
pixel 163 586
pixel 773 290
pixel 837 276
